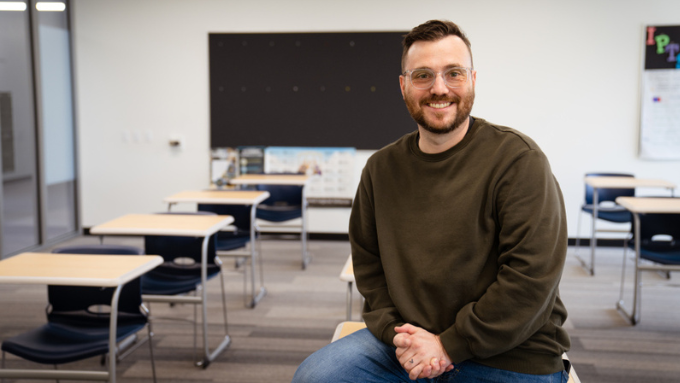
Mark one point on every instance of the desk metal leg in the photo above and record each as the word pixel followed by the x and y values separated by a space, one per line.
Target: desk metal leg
pixel 349 300
pixel 255 261
pixel 303 230
pixel 634 315
pixel 113 326
pixel 209 357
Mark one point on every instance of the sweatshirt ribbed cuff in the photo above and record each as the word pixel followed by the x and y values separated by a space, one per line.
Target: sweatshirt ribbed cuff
pixel 455 345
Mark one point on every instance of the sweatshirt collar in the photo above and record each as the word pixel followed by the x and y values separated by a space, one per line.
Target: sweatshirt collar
pixel 415 149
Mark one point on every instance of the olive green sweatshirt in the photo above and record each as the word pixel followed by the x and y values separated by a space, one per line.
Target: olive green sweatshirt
pixel 468 244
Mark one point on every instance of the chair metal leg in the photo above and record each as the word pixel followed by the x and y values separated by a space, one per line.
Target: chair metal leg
pixel 153 361
pixel 623 273
pixel 224 304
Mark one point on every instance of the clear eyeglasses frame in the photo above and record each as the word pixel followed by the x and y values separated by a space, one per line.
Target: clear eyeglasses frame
pixel 424 78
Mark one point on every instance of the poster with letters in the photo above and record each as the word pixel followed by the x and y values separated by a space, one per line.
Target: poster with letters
pixel 660 112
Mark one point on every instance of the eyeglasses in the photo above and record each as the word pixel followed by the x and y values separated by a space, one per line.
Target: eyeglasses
pixel 424 78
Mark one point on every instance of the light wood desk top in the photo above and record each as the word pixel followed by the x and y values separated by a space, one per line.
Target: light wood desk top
pixel 270 179
pixel 75 269
pixel 186 225
pixel 220 197
pixel 347 274
pixel 650 205
pixel 627 182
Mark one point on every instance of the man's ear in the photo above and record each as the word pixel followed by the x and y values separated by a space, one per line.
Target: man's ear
pixel 402 82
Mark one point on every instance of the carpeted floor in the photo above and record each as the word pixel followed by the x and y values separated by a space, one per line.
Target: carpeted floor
pixel 302 308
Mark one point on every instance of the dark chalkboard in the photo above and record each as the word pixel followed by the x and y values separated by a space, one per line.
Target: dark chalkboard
pixel 306 89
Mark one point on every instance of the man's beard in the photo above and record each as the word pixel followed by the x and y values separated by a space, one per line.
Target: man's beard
pixel 464 108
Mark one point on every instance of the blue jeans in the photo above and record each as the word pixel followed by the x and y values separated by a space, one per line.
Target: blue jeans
pixel 362 358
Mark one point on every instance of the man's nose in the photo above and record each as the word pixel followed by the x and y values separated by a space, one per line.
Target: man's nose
pixel 439 86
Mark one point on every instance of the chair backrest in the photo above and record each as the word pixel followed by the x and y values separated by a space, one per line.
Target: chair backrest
pixel 282 195
pixel 660 232
pixel 73 305
pixel 607 194
pixel 171 247
pixel 241 213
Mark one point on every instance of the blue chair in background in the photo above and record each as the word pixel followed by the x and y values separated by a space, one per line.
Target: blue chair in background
pixel 78 323
pixel 285 203
pixel 233 242
pixel 607 209
pixel 659 245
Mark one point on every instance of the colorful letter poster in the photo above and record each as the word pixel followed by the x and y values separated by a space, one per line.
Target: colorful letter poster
pixel 332 168
pixel 660 114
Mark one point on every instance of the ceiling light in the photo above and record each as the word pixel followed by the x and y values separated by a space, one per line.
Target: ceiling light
pixel 50 6
pixel 12 6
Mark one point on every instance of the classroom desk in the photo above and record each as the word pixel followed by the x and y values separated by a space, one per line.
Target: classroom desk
pixel 76 270
pixel 637 206
pixel 614 183
pixel 283 179
pixel 232 197
pixel 347 275
pixel 177 225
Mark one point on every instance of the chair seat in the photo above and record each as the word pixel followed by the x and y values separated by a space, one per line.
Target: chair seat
pixel 611 214
pixel 57 344
pixel 662 253
pixel 91 322
pixel 227 240
pixel 665 258
pixel 173 279
pixel 279 213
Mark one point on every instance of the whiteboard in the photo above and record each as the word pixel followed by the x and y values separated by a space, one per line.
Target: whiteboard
pixel 660 110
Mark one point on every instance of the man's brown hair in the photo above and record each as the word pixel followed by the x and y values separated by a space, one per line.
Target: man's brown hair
pixel 433 30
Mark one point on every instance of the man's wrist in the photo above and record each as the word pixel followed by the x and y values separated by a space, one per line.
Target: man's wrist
pixel 441 345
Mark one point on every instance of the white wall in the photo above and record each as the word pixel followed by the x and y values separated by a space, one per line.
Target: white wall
pixel 566 73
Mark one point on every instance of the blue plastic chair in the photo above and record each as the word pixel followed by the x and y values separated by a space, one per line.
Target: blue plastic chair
pixel 238 237
pixel 659 238
pixel 233 239
pixel 660 245
pixel 285 203
pixel 74 331
pixel 608 212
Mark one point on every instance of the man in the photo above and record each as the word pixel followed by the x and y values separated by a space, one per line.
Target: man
pixel 458 236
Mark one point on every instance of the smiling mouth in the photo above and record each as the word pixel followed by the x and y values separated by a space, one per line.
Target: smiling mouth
pixel 440 105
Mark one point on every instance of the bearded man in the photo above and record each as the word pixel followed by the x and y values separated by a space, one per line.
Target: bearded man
pixel 459 236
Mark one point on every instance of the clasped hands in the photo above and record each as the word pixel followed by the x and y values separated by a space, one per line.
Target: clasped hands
pixel 420 352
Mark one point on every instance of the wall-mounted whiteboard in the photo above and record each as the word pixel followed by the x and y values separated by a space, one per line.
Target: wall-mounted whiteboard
pixel 660 114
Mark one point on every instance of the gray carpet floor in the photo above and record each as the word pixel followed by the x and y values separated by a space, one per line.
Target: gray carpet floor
pixel 303 307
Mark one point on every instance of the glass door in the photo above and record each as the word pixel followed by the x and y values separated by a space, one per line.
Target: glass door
pixel 38 200
pixel 19 219
pixel 56 105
